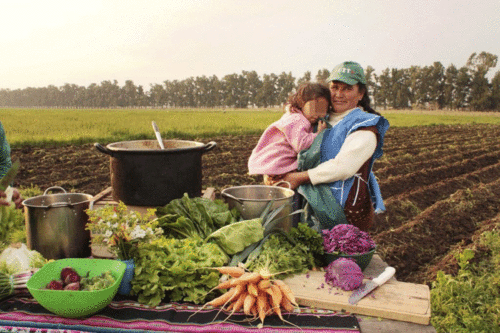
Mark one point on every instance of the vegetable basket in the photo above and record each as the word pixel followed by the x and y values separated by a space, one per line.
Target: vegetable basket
pixel 362 259
pixel 75 303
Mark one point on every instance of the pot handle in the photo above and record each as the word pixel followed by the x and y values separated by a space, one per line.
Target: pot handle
pixel 54 188
pixel 232 197
pixel 103 149
pixel 56 204
pixel 283 182
pixel 209 146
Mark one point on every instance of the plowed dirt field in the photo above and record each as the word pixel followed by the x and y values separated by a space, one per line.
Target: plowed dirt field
pixel 441 187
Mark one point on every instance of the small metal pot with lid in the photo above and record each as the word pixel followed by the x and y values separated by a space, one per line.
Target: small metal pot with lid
pixel 144 174
pixel 55 224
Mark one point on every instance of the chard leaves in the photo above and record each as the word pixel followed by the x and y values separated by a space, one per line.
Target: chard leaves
pixel 198 216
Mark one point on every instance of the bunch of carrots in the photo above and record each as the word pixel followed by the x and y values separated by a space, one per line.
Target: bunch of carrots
pixel 255 293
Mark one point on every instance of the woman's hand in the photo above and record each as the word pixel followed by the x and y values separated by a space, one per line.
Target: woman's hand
pixel 17 199
pixel 295 179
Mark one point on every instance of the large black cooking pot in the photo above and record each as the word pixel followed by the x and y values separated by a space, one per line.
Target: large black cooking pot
pixel 143 174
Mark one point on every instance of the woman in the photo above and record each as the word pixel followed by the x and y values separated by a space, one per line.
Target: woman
pixel 5 164
pixel 335 173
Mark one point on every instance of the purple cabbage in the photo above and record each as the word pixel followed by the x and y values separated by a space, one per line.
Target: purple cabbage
pixel 344 273
pixel 347 239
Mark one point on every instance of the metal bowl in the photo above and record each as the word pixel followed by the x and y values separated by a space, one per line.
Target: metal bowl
pixel 251 200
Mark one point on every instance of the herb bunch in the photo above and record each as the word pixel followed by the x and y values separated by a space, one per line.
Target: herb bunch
pixel 121 230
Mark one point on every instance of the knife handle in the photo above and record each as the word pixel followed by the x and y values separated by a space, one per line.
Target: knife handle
pixel 385 275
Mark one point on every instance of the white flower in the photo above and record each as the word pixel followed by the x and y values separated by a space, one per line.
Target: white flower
pixel 108 233
pixel 138 232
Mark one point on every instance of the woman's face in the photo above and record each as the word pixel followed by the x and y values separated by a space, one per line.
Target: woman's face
pixel 315 109
pixel 344 96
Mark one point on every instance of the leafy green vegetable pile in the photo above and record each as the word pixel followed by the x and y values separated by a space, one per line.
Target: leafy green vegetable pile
pixel 200 234
pixel 177 269
pixel 311 239
pixel 101 281
pixel 284 254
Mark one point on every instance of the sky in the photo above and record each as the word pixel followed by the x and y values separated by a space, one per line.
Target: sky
pixel 54 42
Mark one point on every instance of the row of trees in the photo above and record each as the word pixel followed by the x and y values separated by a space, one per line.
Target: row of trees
pixel 433 87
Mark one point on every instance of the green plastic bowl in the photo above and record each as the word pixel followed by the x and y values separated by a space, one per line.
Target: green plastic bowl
pixel 363 259
pixel 75 303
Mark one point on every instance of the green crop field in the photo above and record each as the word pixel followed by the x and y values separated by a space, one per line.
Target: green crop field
pixel 42 126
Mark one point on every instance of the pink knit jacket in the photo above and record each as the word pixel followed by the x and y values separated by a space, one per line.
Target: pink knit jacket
pixel 277 149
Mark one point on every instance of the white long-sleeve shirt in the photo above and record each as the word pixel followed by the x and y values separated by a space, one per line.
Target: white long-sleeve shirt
pixel 358 147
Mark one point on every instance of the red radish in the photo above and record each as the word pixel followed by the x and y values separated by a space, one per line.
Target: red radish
pixel 72 277
pixel 66 271
pixel 72 286
pixel 55 285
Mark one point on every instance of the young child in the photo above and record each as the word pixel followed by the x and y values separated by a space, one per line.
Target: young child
pixel 277 149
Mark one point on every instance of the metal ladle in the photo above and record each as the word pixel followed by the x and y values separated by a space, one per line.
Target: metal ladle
pixel 158 135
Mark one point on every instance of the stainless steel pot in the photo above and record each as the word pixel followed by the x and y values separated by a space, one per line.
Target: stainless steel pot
pixel 143 174
pixel 55 224
pixel 251 200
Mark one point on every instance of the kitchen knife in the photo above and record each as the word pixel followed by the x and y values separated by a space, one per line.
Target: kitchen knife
pixel 158 135
pixel 9 176
pixel 370 285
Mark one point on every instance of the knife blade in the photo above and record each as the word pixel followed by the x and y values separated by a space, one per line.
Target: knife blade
pixel 370 285
pixel 9 176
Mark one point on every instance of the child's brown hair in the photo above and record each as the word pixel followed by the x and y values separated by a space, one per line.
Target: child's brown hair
pixel 307 92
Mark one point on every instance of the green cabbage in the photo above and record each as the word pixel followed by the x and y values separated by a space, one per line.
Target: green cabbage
pixel 235 237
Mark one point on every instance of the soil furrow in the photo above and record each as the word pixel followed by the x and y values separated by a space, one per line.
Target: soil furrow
pixel 434 161
pixel 448 262
pixel 418 148
pixel 388 160
pixel 404 207
pixel 431 234
pixel 409 182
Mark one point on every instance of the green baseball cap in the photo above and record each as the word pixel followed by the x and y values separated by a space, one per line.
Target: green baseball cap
pixel 349 72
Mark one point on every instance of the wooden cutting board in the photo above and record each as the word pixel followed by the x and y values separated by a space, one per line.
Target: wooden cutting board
pixel 393 300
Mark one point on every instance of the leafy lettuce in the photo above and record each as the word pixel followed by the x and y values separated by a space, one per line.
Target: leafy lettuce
pixel 177 269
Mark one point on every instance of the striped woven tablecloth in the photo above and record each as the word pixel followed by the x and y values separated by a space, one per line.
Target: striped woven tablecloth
pixel 24 314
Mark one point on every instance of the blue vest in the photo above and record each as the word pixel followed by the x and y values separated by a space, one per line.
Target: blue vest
pixel 332 142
